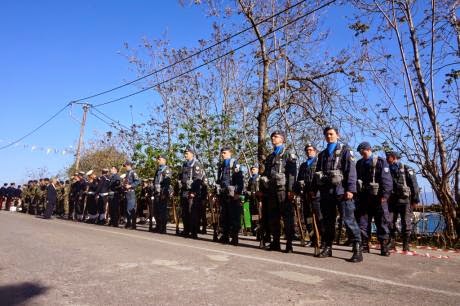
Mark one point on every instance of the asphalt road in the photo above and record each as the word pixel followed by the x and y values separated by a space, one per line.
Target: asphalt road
pixel 57 262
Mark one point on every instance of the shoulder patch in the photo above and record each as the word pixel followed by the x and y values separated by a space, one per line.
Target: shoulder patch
pixel 237 168
pixel 292 156
pixel 351 153
pixel 386 169
pixel 197 168
pixel 411 172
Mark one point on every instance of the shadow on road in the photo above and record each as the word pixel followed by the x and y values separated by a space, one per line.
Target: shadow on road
pixel 19 293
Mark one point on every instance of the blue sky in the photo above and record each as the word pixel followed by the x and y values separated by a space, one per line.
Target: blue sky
pixel 52 52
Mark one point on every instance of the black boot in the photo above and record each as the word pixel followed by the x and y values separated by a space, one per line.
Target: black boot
pixel 406 247
pixel 384 250
pixel 392 244
pixel 357 252
pixel 234 240
pixel 274 245
pixel 366 248
pixel 224 239
pixel 288 247
pixel 326 251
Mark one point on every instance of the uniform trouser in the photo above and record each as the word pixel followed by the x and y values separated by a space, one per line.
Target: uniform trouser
pixel 80 207
pixel 150 205
pixel 190 211
pixel 72 207
pixel 131 207
pixel 368 207
pixel 8 203
pixel 203 219
pixel 329 204
pixel 230 215
pixel 312 206
pixel 114 209
pixel 279 207
pixel 160 209
pixel 405 212
pixel 66 207
pixel 102 202
pixel 91 207
pixel 1 202
pixel 50 205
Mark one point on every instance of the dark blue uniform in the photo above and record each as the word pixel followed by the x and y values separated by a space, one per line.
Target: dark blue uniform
pixel 51 199
pixel 231 183
pixel 375 186
pixel 278 179
pixel 115 190
pixel 304 187
pixel 339 162
pixel 102 193
pixel 191 179
pixel 405 192
pixel 162 193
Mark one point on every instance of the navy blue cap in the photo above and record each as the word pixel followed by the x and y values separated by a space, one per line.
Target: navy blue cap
pixel 364 146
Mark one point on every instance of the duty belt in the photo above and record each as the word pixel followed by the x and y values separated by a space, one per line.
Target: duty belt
pixel 104 194
pixel 90 192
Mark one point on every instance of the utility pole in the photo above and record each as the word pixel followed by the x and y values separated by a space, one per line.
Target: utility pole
pixel 80 140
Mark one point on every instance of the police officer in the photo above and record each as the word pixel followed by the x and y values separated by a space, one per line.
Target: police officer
pixel 81 196
pixel 147 192
pixel 278 179
pixel 255 201
pixel 102 196
pixel 10 193
pixel 115 190
pixel 3 194
pixel 51 197
pixel 131 181
pixel 231 183
pixel 404 197
pixel 162 192
pixel 304 188
pixel 374 188
pixel 73 196
pixel 191 180
pixel 91 201
pixel 335 178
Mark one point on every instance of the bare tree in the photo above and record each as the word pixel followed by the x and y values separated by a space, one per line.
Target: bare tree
pixel 408 53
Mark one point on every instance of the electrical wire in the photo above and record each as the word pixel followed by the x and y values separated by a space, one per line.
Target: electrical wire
pixel 216 58
pixel 190 56
pixel 37 128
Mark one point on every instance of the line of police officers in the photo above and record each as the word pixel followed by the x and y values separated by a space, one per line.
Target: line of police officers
pixel 326 183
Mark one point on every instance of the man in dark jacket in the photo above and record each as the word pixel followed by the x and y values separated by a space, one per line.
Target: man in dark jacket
pixel 404 197
pixel 51 197
pixel 374 188
pixel 335 178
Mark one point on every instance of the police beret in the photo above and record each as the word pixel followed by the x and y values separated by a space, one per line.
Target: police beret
pixel 363 146
pixel 105 170
pixel 190 149
pixel 393 153
pixel 145 180
pixel 309 145
pixel 225 148
pixel 278 132
pixel 151 179
pixel 81 173
pixel 330 127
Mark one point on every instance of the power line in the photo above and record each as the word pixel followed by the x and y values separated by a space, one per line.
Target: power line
pixel 191 55
pixel 37 128
pixel 111 119
pixel 216 58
